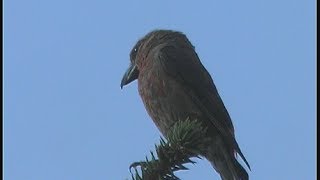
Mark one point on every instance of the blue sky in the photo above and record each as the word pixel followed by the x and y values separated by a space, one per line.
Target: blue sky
pixel 66 118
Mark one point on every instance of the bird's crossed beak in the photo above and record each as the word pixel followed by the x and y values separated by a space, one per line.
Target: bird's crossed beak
pixel 130 75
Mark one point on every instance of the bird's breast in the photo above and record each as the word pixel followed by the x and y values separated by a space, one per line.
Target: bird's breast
pixel 164 99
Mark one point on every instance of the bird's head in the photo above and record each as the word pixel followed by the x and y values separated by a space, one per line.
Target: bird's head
pixel 147 45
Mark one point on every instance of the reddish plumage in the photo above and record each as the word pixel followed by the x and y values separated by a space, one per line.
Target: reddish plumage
pixel 174 85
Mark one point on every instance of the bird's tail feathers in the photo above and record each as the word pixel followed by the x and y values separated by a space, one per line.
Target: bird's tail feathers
pixel 226 164
pixel 241 155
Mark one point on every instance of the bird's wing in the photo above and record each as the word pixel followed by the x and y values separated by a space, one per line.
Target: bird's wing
pixel 183 64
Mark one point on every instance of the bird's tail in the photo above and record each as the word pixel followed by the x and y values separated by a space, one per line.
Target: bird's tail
pixel 225 163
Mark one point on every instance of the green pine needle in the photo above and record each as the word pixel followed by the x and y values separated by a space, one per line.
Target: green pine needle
pixel 186 140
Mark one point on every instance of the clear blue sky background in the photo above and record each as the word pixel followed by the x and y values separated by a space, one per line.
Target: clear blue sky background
pixel 65 117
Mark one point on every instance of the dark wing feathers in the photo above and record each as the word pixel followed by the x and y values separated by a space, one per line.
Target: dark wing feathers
pixel 183 64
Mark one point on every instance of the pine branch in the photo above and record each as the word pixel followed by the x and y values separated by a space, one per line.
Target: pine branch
pixel 185 140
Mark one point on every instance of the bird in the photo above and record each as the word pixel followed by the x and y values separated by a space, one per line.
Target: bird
pixel 174 85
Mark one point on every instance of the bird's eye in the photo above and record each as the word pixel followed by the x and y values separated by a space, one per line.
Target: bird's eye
pixel 133 54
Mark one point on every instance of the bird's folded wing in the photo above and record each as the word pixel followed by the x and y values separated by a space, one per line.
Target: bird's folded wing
pixel 183 64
